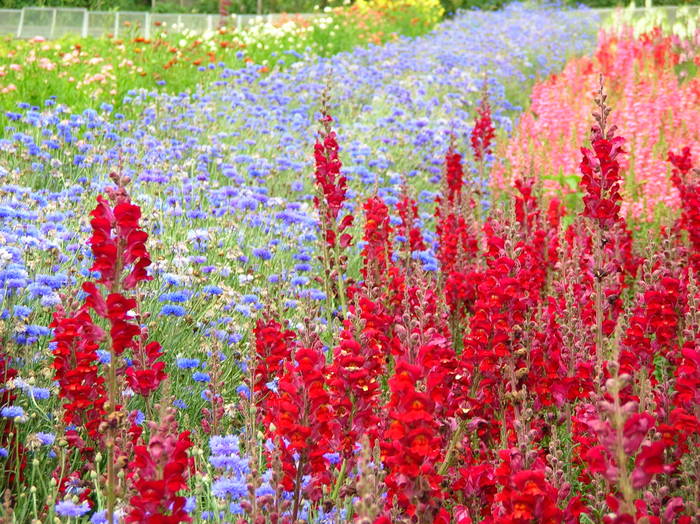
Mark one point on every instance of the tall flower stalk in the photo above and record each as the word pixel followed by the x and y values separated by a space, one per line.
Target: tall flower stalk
pixel 601 182
pixel 331 195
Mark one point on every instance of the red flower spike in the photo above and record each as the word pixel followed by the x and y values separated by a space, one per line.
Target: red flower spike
pixel 600 168
pixel 408 213
pixel 356 373
pixel 483 132
pixel 687 181
pixel 454 175
pixel 158 474
pixel 332 185
pixel 147 371
pixel 377 251
pixel 81 387
pixel 273 347
pixel 118 242
pixel 300 419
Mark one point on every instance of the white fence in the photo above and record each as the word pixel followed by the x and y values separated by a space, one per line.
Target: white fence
pixel 49 23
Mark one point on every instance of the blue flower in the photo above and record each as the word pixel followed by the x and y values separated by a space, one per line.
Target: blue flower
pixel 172 310
pixel 68 508
pixel 199 376
pixel 12 412
pixel 38 393
pixel 262 253
pixel 176 296
pixel 229 487
pixel 243 390
pixel 333 458
pixel 21 311
pixel 187 363
pixel 46 439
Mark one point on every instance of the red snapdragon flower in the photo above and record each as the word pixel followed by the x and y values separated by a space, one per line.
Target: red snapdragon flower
pixel 408 213
pixel 272 346
pixel 81 386
pixel 147 371
pixel 600 168
pixel 483 132
pixel 411 447
pixel 118 242
pixel 332 188
pixel 300 419
pixel 359 363
pixel 454 175
pixel 687 181
pixel 158 473
pixel 377 251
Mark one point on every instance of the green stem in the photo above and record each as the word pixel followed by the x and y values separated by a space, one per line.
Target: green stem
pixel 456 437
pixel 339 482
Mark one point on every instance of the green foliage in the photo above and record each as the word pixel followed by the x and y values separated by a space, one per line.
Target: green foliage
pixel 176 6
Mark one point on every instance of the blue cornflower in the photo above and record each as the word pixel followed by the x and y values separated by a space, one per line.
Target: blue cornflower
pixel 200 376
pixel 299 281
pixel 316 294
pixel 243 390
pixel 46 438
pixel 172 310
pixel 262 253
pixel 175 296
pixel 225 444
pixel 333 458
pixel 187 363
pixel 249 299
pixel 229 487
pixel 38 393
pixel 12 412
pixel 243 310
pixel 68 508
pixel 21 311
pixel 140 417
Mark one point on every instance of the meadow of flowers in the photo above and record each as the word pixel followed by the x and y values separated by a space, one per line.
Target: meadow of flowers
pixel 85 72
pixel 362 288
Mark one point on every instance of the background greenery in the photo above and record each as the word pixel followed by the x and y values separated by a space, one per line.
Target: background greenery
pixel 290 6
pixel 179 6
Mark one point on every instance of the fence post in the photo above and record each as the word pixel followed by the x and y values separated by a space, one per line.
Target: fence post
pixel 210 23
pixel 53 24
pixel 20 24
pixel 116 24
pixel 85 23
pixel 147 26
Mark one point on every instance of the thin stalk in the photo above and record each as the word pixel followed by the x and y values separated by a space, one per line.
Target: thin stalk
pixel 456 437
pixel 297 488
pixel 112 392
pixel 339 481
pixel 598 275
pixel 624 482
